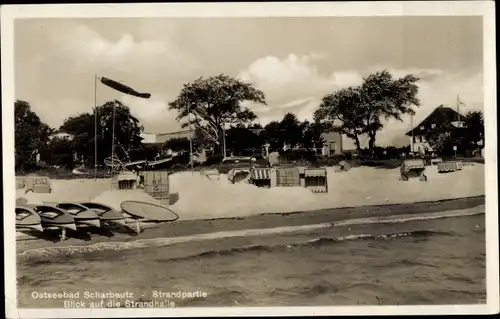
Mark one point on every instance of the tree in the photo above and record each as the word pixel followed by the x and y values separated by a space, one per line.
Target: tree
pixel 342 112
pixel 144 152
pixel 442 139
pixel 255 126
pixel 240 138
pixel 291 130
pixel 357 111
pixel 127 132
pixel 272 135
pixel 211 103
pixel 312 136
pixel 30 135
pixel 385 97
pixel 59 151
pixel 474 124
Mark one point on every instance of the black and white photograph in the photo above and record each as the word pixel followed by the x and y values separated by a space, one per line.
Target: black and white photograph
pixel 250 159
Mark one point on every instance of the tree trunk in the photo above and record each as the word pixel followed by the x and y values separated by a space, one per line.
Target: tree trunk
pixel 221 144
pixel 357 143
pixel 371 142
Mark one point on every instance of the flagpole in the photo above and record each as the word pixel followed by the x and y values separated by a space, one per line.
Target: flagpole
pixel 95 127
pixel 190 140
pixel 113 140
pixel 458 109
pixel 224 139
pixel 411 119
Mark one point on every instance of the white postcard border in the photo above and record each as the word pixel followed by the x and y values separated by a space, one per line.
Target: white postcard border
pixel 311 9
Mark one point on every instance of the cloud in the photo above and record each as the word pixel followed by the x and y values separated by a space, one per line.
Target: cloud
pixel 153 113
pixel 285 78
pixel 146 54
pixel 65 108
pixel 294 84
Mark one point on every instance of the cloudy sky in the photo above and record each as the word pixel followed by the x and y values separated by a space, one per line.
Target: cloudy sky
pixel 295 61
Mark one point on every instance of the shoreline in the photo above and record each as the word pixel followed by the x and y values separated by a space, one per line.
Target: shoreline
pixel 261 221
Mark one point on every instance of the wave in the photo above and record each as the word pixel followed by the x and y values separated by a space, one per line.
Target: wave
pixel 45 255
pixel 313 243
pixel 43 258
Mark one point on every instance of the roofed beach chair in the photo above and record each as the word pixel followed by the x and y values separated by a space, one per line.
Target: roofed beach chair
pixel 413 168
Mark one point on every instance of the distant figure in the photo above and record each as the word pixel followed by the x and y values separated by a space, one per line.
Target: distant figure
pixel 274 158
pixel 344 166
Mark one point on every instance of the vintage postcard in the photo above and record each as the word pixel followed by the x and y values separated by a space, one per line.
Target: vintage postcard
pixel 249 159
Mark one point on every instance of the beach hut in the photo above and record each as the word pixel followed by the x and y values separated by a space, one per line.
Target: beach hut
pixel 288 177
pixel 39 184
pixel 316 180
pixel 157 184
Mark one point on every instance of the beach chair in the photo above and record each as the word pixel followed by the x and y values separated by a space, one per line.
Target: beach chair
pixel 239 175
pixel 288 177
pixel 447 167
pixel 260 176
pixel 413 168
pixel 125 180
pixel 316 180
pixel 157 184
pixel 39 184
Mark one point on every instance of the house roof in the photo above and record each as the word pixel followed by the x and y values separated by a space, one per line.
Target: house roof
pixel 441 115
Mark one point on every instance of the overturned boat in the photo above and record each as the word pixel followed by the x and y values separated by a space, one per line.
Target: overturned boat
pixel 147 213
pixel 105 213
pixel 83 216
pixel 53 217
pixel 28 219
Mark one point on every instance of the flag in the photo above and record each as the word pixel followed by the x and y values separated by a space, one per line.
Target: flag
pixel 460 102
pixel 123 88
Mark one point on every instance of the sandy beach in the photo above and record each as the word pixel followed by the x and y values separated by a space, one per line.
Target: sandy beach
pixel 202 198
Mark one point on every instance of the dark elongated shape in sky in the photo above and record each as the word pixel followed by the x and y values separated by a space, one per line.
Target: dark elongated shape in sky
pixel 123 88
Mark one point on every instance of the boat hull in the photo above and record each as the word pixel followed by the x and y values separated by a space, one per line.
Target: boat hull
pixel 106 214
pixel 88 222
pixel 38 228
pixel 82 215
pixel 52 225
pixel 27 219
pixel 54 217
pixel 87 218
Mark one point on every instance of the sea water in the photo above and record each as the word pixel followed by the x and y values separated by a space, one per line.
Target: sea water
pixel 433 261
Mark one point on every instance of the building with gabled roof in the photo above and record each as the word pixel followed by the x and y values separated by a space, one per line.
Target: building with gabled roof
pixel 443 118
